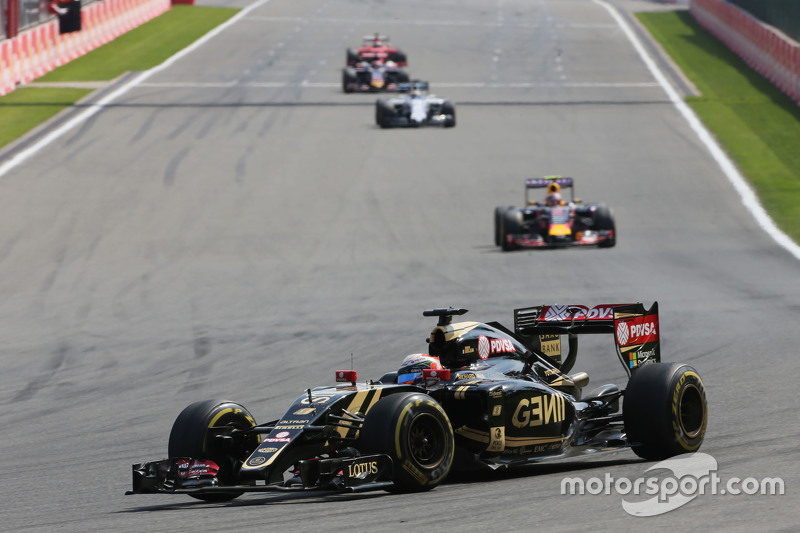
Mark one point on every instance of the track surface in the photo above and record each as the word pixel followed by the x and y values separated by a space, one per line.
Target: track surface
pixel 237 227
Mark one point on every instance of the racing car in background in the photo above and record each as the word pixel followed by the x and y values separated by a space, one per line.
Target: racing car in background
pixel 552 224
pixel 376 47
pixel 375 76
pixel 483 396
pixel 414 109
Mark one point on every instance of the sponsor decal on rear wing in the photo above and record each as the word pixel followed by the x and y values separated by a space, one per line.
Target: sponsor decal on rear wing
pixel 635 329
pixel 541 183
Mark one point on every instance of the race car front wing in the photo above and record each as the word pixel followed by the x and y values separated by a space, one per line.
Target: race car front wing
pixel 181 475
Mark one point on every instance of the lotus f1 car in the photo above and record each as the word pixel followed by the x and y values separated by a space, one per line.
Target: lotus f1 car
pixel 373 77
pixel 375 47
pixel 553 223
pixel 495 398
pixel 415 109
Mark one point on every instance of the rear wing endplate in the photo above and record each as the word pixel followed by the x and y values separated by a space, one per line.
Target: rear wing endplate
pixel 635 329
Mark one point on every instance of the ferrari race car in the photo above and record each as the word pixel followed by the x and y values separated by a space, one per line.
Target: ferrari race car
pixel 375 76
pixel 417 108
pixel 375 47
pixel 554 222
pixel 483 396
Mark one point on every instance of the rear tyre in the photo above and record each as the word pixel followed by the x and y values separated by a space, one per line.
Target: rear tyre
pixel 512 225
pixel 604 220
pixel 449 109
pixel 190 437
pixel 352 57
pixel 413 429
pixel 665 410
pixel 399 58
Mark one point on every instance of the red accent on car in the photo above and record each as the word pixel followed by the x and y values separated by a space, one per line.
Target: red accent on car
pixel 346 376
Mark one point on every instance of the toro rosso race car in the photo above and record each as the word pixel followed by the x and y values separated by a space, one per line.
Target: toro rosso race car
pixel 375 76
pixel 417 108
pixel 375 47
pixel 483 396
pixel 554 222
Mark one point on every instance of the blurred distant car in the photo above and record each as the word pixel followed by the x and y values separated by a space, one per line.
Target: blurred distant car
pixel 376 47
pixel 417 108
pixel 373 77
pixel 553 222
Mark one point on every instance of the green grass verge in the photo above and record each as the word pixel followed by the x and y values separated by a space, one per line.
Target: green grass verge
pixel 144 47
pixel 755 123
pixel 139 49
pixel 26 108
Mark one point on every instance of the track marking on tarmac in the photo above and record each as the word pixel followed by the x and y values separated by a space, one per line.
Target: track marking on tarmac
pixel 740 184
pixel 449 85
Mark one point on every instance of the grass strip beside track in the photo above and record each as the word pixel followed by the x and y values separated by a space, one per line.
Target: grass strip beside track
pixel 756 124
pixel 26 108
pixel 140 49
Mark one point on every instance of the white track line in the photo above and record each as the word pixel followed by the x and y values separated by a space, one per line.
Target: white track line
pixel 740 184
pixel 24 155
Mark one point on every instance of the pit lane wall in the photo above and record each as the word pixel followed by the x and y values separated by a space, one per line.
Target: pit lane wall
pixel 768 51
pixel 38 50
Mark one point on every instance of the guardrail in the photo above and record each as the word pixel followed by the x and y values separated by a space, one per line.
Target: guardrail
pixel 38 50
pixel 768 51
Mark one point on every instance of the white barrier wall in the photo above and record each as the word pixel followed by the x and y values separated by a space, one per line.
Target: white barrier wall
pixel 38 50
pixel 769 52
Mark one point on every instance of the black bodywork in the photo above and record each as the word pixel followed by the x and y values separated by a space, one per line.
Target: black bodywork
pixel 504 398
pixel 365 77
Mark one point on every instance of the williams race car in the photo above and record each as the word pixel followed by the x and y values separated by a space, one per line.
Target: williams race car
pixel 375 47
pixel 375 76
pixel 483 396
pixel 554 222
pixel 415 109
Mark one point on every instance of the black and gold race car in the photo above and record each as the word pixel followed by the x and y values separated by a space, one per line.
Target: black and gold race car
pixel 483 395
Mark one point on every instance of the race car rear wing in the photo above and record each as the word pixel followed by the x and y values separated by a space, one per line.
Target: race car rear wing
pixel 543 183
pixel 635 329
pixel 408 86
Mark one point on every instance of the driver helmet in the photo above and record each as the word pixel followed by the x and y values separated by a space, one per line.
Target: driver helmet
pixel 411 368
pixel 377 64
pixel 553 195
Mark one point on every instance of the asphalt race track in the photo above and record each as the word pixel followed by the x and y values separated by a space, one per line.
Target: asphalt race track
pixel 235 226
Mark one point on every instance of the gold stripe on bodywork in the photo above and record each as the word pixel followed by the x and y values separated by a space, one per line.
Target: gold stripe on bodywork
pixel 451 331
pixel 354 407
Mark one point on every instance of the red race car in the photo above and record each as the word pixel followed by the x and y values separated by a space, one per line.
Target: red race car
pixel 376 47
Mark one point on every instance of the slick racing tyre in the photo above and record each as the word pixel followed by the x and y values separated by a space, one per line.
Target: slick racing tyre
pixel 413 429
pixel 402 76
pixel 398 57
pixel 604 220
pixel 512 224
pixel 348 79
pixel 384 114
pixel 352 57
pixel 449 109
pixel 499 213
pixel 665 410
pixel 190 437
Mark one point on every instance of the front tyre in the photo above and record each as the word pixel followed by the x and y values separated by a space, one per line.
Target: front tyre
pixel 191 436
pixel 449 111
pixel 604 220
pixel 665 410
pixel 413 429
pixel 512 225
